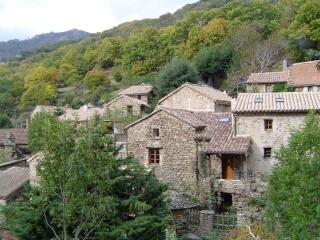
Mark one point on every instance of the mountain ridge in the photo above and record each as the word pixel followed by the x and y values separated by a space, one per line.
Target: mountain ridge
pixel 13 48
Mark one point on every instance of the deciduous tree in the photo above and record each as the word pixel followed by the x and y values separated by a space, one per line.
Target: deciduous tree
pixel 293 206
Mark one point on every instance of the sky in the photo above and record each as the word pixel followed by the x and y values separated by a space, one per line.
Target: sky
pixel 21 19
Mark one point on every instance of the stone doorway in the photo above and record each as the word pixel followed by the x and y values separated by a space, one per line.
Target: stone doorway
pixel 227 167
pixel 226 202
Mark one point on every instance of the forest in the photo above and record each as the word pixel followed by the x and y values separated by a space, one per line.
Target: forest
pixel 218 42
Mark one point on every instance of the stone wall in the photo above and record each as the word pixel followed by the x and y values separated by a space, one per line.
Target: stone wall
pixel 242 191
pixel 256 88
pixel 178 151
pixel 6 153
pixel 120 105
pixel 33 164
pixel 253 126
pixel 188 99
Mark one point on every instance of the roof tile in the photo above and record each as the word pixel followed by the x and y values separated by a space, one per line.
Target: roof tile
pixel 142 89
pixel 20 135
pixel 12 179
pixel 287 102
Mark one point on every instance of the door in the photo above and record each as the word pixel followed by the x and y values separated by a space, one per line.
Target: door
pixel 227 167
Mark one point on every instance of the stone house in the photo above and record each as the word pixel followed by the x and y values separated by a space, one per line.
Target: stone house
pixel 83 114
pixel 269 119
pixel 172 142
pixel 43 108
pixel 302 77
pixel 141 92
pixel 124 106
pixel 197 97
pixel 13 144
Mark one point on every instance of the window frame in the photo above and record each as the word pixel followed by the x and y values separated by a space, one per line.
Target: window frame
pixel 268 124
pixel 266 89
pixel 267 152
pixel 153 156
pixel 156 133
pixel 129 109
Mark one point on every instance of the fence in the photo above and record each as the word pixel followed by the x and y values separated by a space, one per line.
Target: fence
pixel 244 175
pixel 224 222
pixel 193 216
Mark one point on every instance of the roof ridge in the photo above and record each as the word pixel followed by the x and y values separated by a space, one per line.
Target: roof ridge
pixel 305 62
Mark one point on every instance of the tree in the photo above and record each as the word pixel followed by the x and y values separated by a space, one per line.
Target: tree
pixel 307 22
pixel 40 86
pixel 96 78
pixel 213 62
pixel 293 208
pixel 5 121
pixel 142 52
pixel 85 192
pixel 174 74
pixel 202 36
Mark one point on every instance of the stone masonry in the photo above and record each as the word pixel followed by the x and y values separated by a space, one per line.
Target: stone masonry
pixel 178 152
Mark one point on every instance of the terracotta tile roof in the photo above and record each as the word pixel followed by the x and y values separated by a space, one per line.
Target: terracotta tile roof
pixel 128 100
pixel 20 135
pixel 213 127
pixel 268 77
pixel 12 180
pixel 277 102
pixel 142 89
pixel 82 114
pixel 298 74
pixel 304 74
pixel 210 92
pixel 219 132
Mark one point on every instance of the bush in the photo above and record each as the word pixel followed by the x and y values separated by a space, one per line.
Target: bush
pixel 76 103
pixel 5 121
pixel 96 78
pixel 281 87
pixel 117 75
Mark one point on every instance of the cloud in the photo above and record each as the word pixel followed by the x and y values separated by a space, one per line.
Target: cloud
pixel 21 18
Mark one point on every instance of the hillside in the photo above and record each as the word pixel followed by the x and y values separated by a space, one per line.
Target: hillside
pixel 13 48
pixel 219 42
pixel 165 20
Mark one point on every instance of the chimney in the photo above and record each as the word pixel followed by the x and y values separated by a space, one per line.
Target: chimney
pixel 285 65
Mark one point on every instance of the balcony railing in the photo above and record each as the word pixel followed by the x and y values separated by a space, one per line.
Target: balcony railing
pixel 244 175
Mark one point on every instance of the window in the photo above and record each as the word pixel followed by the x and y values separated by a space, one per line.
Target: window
pixel 139 97
pixel 267 152
pixel 310 89
pixel 156 132
pixel 258 100
pixel 268 88
pixel 129 109
pixel 142 109
pixel 268 124
pixel 154 156
pixel 279 100
pixel 224 119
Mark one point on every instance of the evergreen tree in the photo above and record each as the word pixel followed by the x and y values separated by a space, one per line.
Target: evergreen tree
pixel 213 62
pixel 85 192
pixel 175 73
